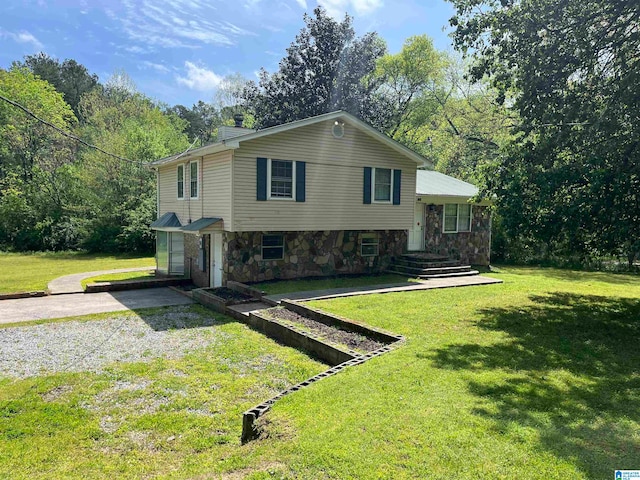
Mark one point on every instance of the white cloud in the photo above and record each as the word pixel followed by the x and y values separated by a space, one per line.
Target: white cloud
pixel 135 49
pixel 22 37
pixel 158 67
pixel 337 8
pixel 302 3
pixel 199 78
pixel 174 23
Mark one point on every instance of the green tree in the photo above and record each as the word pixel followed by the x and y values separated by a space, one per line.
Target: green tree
pixel 38 183
pixel 408 81
pixel 573 71
pixel 69 77
pixel 24 141
pixel 201 120
pixel 322 72
pixel 438 112
pixel 125 122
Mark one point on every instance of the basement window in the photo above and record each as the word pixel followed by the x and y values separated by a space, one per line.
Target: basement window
pixel 272 247
pixel 369 244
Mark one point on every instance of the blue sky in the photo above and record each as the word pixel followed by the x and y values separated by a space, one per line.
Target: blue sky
pixel 177 51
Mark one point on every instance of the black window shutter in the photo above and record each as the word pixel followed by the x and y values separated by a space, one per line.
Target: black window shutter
pixel 366 192
pixel 301 193
pixel 262 179
pixel 397 174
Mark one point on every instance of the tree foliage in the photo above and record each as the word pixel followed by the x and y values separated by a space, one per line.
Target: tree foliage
pixel 201 120
pixel 322 72
pixel 435 110
pixel 127 123
pixel 69 77
pixel 573 71
pixel 57 195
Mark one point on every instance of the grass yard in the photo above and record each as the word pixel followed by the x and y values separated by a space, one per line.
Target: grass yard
pixel 21 272
pixel 537 378
pixel 114 277
pixel 286 286
pixel 176 416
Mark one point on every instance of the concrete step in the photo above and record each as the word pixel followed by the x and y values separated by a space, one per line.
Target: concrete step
pixel 412 270
pixel 469 273
pixel 245 309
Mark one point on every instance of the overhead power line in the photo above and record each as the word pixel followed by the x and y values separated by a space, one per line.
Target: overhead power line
pixel 66 134
pixel 78 139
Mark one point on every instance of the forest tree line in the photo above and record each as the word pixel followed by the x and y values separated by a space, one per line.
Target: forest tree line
pixel 539 108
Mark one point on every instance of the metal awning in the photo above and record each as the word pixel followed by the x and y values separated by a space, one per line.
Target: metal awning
pixel 200 224
pixel 168 220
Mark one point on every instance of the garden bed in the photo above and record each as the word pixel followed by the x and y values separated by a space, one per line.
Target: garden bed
pixel 229 295
pixel 351 340
pixel 220 298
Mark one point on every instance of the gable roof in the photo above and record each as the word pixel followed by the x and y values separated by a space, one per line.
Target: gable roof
pixel 168 220
pixel 233 143
pixel 430 182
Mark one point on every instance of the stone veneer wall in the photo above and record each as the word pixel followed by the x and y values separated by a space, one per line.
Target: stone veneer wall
pixel 472 247
pixel 306 254
pixel 199 273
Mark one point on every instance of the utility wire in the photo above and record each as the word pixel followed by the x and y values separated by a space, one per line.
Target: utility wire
pixel 66 134
pixel 79 140
pixel 187 150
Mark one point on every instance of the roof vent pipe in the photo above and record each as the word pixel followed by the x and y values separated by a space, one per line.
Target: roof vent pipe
pixel 238 118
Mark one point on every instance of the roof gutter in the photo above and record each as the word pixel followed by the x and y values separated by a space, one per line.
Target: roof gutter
pixel 229 144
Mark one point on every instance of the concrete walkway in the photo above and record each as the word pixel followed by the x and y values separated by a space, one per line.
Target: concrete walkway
pixel 387 288
pixel 71 283
pixel 27 309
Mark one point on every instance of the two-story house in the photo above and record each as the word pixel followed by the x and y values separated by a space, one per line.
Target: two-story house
pixel 322 196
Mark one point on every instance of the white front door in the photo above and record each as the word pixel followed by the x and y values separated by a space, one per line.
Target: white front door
pixel 416 234
pixel 216 260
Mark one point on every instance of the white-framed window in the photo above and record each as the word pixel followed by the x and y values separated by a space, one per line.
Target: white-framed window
pixel 281 176
pixel 180 181
pixel 369 244
pixel 193 179
pixel 457 218
pixel 382 185
pixel 273 247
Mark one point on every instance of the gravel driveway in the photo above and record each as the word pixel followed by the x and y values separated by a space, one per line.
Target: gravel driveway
pixel 91 345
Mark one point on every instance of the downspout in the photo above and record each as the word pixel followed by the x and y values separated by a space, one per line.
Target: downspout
pixel 157 193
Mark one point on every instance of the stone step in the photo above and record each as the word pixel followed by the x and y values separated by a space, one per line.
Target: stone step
pixel 415 263
pixel 424 256
pixel 411 270
pixel 439 275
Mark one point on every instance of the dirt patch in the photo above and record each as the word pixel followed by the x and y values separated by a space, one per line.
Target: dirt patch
pixel 229 295
pixel 56 393
pixel 353 341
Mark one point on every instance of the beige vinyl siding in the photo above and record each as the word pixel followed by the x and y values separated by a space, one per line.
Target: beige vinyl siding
pixel 334 183
pixel 214 195
pixel 216 186
pixel 168 192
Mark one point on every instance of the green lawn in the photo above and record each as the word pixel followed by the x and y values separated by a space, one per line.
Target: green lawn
pixel 166 417
pixel 114 277
pixel 286 286
pixel 21 272
pixel 536 378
